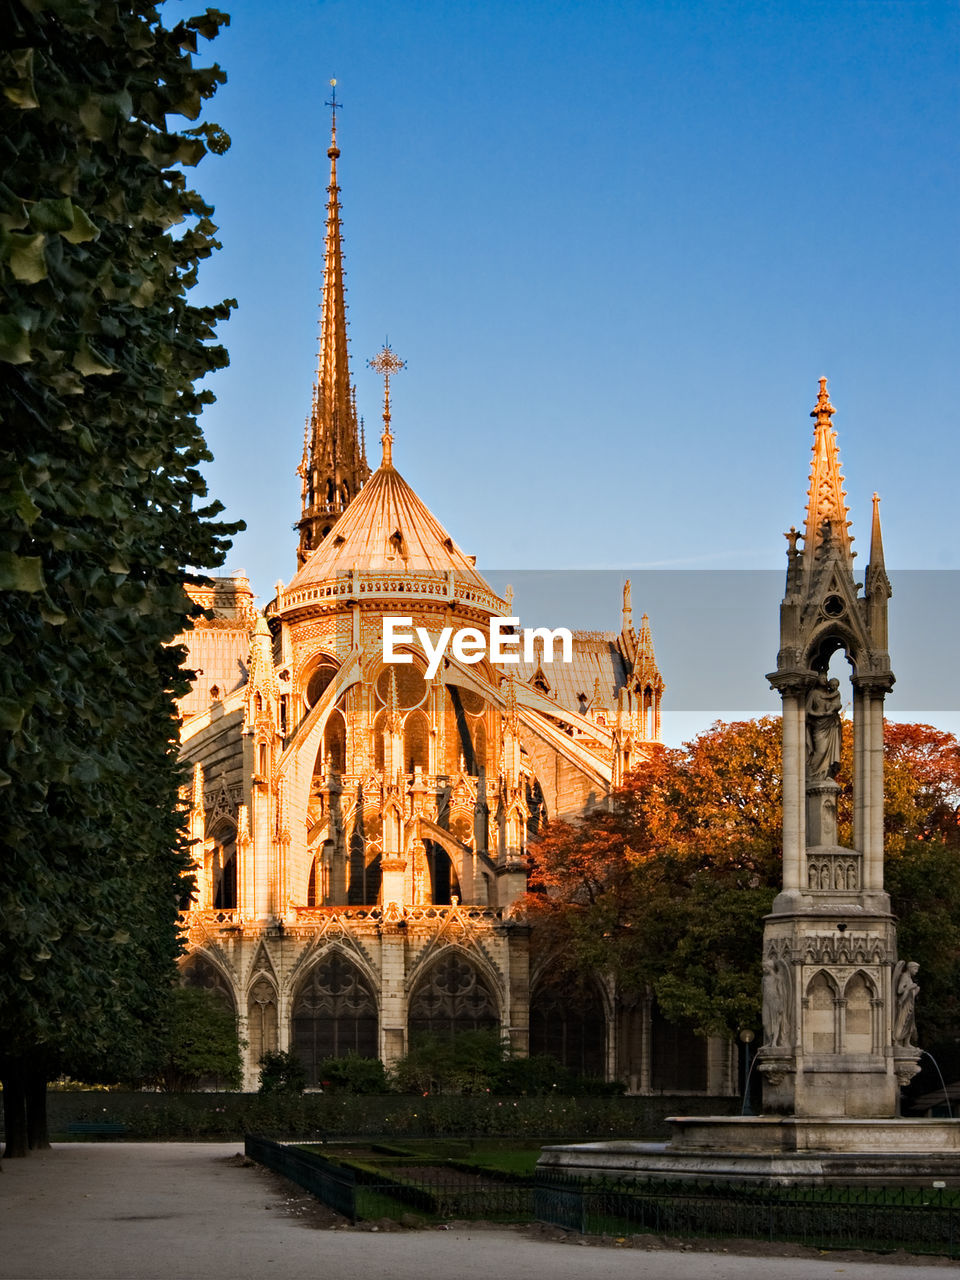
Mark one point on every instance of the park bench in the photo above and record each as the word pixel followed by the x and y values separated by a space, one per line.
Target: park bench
pixel 97 1128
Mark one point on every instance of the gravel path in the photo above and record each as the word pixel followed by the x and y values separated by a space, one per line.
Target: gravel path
pixel 190 1211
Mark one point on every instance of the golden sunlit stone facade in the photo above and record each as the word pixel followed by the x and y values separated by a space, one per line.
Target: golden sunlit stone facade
pixel 360 829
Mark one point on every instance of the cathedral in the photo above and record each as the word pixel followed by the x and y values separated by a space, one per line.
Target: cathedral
pixel 361 826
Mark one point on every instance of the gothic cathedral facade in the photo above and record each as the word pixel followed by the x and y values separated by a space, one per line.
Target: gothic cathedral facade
pixel 361 827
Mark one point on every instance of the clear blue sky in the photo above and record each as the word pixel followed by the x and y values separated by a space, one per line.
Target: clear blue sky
pixel 617 244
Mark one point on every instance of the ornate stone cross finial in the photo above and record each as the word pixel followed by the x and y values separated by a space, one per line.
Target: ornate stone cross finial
pixel 387 363
pixel 824 410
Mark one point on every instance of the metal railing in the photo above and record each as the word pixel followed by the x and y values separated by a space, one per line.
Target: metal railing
pixel 432 1191
pixel 922 1219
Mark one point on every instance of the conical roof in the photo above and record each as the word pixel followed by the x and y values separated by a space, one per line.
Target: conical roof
pixel 386 529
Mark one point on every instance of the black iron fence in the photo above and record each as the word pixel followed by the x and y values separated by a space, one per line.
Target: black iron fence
pixel 334 1184
pixel 429 1191
pixel 920 1219
pixel 916 1218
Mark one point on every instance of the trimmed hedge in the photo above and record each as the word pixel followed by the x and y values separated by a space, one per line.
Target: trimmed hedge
pixel 181 1117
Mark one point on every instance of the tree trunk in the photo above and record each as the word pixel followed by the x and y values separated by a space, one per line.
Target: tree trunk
pixel 35 1097
pixel 14 1110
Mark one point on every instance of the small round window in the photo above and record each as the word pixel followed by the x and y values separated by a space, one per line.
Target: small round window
pixel 833 606
pixel 471 702
pixel 411 686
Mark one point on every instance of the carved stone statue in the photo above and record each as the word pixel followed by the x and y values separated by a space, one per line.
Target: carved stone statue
pixel 776 1003
pixel 823 729
pixel 905 990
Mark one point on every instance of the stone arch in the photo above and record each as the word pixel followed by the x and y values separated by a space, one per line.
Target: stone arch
pixel 820 1002
pixel 828 639
pixel 220 869
pixel 678 1056
pixel 416 742
pixel 317 673
pixel 451 994
pixel 536 805
pixel 860 1014
pixel 568 1022
pixel 335 1012
pixel 362 875
pixel 261 1017
pixel 295 768
pixel 199 969
pixel 442 873
pixel 332 756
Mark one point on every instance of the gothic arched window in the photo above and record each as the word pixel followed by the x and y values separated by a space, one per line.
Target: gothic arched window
pixel 335 1013
pixel 319 678
pixel 568 1024
pixel 415 742
pixel 444 885
pixel 223 870
pixel 198 971
pixel 262 1019
pixel 335 744
pixel 453 996
pixel 820 1016
pixel 678 1056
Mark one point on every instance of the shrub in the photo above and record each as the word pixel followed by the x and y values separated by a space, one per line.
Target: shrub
pixel 353 1074
pixel 281 1071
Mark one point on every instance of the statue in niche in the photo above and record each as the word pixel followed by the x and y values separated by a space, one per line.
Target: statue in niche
pixel 905 990
pixel 776 1003
pixel 823 729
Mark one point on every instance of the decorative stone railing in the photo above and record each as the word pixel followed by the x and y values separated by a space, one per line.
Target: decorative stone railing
pixel 430 784
pixel 356 587
pixel 393 915
pixel 211 917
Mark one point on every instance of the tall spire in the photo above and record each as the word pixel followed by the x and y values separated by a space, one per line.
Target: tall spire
pixel 333 468
pixel 645 665
pixel 876 582
pixel 876 537
pixel 826 500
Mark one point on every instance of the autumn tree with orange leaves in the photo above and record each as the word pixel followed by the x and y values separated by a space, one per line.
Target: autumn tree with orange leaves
pixel 667 889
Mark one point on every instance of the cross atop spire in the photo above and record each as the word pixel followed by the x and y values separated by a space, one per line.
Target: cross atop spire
pixel 387 363
pixel 332 103
pixel 333 469
pixel 826 499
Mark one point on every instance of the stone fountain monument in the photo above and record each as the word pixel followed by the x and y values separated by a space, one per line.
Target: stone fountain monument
pixel 838 1003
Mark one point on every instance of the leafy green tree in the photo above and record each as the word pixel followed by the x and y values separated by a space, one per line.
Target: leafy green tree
pixel 101 501
pixel 668 888
pixel 200 1042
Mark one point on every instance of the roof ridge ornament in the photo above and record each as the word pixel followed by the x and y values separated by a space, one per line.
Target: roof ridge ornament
pixel 387 363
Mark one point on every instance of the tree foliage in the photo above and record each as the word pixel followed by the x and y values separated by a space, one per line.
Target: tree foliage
pixel 668 888
pixel 200 1042
pixel 282 1071
pixel 102 507
pixel 481 1062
